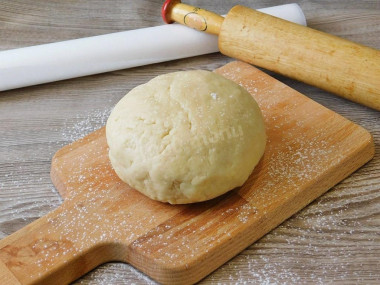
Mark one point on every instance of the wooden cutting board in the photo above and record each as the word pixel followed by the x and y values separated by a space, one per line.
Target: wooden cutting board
pixel 309 150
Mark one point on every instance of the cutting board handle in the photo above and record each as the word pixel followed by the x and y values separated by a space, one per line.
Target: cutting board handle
pixel 45 252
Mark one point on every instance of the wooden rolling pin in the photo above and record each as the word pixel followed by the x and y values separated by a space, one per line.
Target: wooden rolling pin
pixel 331 63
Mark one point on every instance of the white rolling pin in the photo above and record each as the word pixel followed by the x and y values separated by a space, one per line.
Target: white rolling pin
pixel 74 58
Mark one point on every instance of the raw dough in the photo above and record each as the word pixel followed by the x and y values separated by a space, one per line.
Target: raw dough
pixel 186 136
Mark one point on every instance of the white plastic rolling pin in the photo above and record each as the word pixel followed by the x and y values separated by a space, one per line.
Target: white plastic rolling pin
pixel 80 57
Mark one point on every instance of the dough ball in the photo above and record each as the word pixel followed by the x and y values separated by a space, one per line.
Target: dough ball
pixel 186 136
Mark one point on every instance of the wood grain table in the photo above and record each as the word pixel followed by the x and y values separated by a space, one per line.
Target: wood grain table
pixel 334 240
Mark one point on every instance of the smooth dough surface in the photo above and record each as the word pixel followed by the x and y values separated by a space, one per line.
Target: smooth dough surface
pixel 186 136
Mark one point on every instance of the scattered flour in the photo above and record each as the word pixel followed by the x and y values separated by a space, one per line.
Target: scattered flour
pixel 290 254
pixel 85 124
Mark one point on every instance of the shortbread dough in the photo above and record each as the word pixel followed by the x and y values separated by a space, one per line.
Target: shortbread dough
pixel 186 136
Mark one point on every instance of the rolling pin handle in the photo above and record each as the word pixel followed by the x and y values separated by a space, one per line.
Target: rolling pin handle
pixel 193 17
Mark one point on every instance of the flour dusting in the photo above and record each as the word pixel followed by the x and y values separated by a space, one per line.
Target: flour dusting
pixel 290 254
pixel 84 124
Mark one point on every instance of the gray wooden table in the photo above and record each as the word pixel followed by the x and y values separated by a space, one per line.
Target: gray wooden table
pixel 334 240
